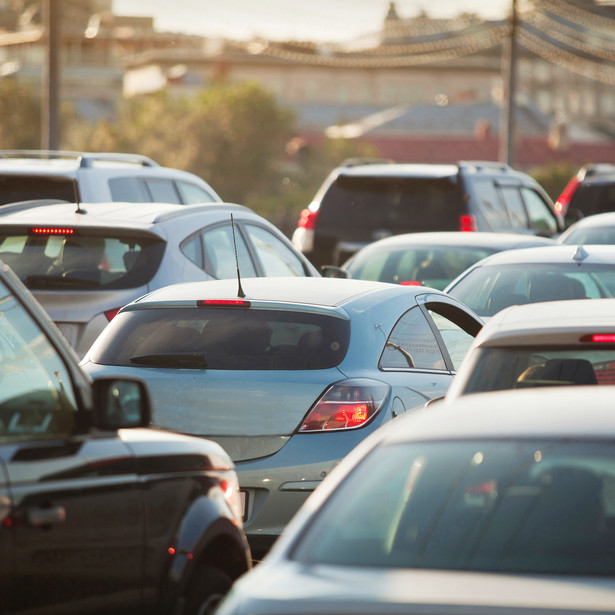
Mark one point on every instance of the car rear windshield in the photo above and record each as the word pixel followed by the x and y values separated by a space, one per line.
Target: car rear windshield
pixel 218 338
pixel 68 259
pixel 430 266
pixel 514 368
pixel 14 188
pixel 391 203
pixel 594 197
pixel 514 506
pixel 487 290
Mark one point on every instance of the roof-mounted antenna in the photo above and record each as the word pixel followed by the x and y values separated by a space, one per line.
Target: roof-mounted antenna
pixel 76 193
pixel 240 292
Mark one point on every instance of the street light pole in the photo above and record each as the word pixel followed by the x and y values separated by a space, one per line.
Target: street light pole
pixel 508 119
pixel 50 99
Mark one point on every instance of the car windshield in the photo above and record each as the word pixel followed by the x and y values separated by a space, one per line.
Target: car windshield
pixel 599 235
pixel 391 203
pixel 14 188
pixel 218 338
pixel 499 506
pixel 429 266
pixel 513 368
pixel 489 289
pixel 36 397
pixel 60 259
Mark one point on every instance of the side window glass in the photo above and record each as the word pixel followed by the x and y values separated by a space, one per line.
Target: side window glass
pixel 491 205
pixel 36 396
pixel 162 191
pixel 191 193
pixel 456 340
pixel 276 257
pixel 128 189
pixel 514 204
pixel 191 248
pixel 219 254
pixel 412 344
pixel 542 219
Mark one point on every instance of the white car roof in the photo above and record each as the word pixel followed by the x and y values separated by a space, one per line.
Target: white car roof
pixel 552 322
pixel 106 215
pixel 552 254
pixel 562 412
pixel 604 219
pixel 330 292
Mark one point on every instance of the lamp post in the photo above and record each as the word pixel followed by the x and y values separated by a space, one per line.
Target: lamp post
pixel 50 99
pixel 508 119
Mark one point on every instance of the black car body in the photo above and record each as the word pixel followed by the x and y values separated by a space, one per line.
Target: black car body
pixel 98 512
pixel 362 203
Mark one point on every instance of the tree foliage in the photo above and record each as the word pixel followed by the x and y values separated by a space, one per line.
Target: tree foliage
pixel 20 127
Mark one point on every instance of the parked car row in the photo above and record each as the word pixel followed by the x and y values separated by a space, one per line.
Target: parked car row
pixel 361 435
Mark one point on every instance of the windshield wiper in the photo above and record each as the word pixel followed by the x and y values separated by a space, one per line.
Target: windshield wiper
pixel 186 360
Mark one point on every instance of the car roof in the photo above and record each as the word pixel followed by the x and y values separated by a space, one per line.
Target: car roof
pixel 557 254
pixel 548 412
pixel 326 292
pixel 552 322
pixel 105 215
pixel 604 219
pixel 459 238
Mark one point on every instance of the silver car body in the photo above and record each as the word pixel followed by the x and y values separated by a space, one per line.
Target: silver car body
pixel 594 229
pixel 80 314
pixel 285 582
pixel 256 414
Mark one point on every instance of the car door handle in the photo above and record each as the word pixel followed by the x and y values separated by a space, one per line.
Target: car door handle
pixel 50 515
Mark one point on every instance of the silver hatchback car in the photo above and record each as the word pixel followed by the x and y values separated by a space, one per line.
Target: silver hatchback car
pixel 84 262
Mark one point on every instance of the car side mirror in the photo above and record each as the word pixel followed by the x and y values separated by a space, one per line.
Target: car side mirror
pixel 120 403
pixel 331 271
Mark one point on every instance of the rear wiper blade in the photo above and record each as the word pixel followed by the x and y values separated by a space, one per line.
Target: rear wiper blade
pixel 56 281
pixel 186 360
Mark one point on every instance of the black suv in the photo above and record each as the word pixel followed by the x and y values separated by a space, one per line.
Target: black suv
pixel 360 203
pixel 99 514
pixel 590 191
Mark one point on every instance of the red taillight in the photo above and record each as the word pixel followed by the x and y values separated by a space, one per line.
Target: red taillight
pixel 346 405
pixel 410 283
pixel 561 205
pixel 111 314
pixel 307 219
pixel 467 223
pixel 240 303
pixel 599 338
pixel 40 230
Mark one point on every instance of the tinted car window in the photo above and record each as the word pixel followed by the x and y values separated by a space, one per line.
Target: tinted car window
pixel 541 217
pixel 378 202
pixel 513 368
pixel 487 290
pixel 80 261
pixel 431 266
pixel 490 204
pixel 594 197
pixel 514 506
pixel 26 188
pixel 129 189
pixel 202 338
pixel 191 193
pixel 412 344
pixel 162 190
pixel 219 253
pixel 514 205
pixel 276 258
pixel 456 340
pixel 36 397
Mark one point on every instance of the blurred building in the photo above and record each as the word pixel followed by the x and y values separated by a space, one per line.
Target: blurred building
pixel 414 80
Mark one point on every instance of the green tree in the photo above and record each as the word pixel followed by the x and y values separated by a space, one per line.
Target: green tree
pixel 554 177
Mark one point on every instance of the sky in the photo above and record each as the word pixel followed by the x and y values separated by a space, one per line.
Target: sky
pixel 306 20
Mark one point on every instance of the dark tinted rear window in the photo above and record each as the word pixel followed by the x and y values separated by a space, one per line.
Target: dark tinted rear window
pixel 81 261
pixel 27 188
pixel 594 198
pixel 392 203
pixel 218 338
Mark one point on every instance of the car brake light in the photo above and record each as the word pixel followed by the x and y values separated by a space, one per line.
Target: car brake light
pixel 40 230
pixel 410 283
pixel 307 219
pixel 230 490
pixel 238 303
pixel 467 223
pixel 346 405
pixel 111 314
pixel 561 205
pixel 599 338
